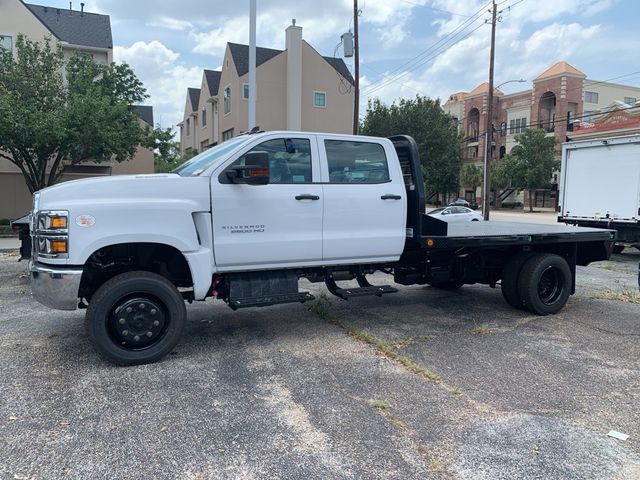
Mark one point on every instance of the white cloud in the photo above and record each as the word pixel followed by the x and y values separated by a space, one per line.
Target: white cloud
pixel 165 78
pixel 170 23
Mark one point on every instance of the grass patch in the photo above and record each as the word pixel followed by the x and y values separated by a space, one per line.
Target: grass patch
pixel 606 266
pixel 481 329
pixel 321 308
pixel 379 404
pixel 628 296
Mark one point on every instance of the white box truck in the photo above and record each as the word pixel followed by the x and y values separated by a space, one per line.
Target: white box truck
pixel 600 186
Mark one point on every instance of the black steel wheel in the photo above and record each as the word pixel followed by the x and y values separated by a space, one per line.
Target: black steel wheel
pixel 509 281
pixel 544 284
pixel 135 318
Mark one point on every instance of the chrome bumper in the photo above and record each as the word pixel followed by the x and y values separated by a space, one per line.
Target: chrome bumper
pixel 55 287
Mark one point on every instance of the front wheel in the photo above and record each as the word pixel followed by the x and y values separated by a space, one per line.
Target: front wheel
pixel 135 318
pixel 544 284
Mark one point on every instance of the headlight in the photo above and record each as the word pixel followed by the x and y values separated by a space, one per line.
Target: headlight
pixel 51 234
pixel 52 221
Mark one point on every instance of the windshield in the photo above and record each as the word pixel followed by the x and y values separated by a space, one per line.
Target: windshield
pixel 436 211
pixel 204 160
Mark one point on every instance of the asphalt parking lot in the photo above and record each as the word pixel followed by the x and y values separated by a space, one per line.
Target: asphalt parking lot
pixel 420 384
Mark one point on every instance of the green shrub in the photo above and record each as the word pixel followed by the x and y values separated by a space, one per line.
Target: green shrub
pixel 512 205
pixel 5 221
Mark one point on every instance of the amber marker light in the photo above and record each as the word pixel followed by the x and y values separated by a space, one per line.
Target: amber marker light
pixel 58 246
pixel 58 222
pixel 430 243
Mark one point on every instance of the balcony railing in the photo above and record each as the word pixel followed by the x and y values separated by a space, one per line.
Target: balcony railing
pixel 548 127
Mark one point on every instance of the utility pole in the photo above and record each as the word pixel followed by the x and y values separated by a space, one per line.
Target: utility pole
pixel 488 135
pixel 356 69
pixel 252 66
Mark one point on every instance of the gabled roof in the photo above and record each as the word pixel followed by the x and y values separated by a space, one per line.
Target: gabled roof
pixel 483 88
pixel 560 68
pixel 341 68
pixel 213 80
pixel 145 112
pixel 240 54
pixel 194 96
pixel 72 26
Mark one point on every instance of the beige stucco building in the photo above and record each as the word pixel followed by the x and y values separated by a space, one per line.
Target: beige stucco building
pixel 75 31
pixel 297 89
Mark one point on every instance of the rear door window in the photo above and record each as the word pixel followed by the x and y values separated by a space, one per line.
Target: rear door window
pixel 356 162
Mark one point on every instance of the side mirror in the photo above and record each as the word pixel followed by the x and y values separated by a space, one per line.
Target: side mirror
pixel 254 172
pixel 445 212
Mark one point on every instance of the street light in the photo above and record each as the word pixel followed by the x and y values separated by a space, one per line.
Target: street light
pixel 488 135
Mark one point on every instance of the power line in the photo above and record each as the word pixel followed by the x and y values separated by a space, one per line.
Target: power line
pixel 387 81
pixel 463 26
pixel 395 81
pixel 550 122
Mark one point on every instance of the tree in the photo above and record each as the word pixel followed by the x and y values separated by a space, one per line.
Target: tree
pixel 531 162
pixel 50 120
pixel 471 176
pixel 166 150
pixel 434 131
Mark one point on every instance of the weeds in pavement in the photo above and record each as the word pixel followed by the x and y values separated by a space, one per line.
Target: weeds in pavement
pixel 481 329
pixel 379 404
pixel 628 296
pixel 320 307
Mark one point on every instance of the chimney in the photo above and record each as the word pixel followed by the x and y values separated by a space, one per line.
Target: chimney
pixel 293 46
pixel 70 8
pixel 82 9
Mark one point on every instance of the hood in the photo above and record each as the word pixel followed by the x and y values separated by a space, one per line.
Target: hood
pixel 126 188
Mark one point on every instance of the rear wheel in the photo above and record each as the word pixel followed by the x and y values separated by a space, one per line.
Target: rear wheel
pixel 135 318
pixel 544 284
pixel 617 249
pixel 510 274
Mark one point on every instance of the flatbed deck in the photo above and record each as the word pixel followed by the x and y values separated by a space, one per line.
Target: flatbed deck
pixel 470 234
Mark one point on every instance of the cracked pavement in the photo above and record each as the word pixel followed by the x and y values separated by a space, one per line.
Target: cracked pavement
pixel 282 393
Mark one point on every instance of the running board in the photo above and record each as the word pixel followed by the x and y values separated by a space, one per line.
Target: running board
pixel 365 289
pixel 261 289
pixel 271 300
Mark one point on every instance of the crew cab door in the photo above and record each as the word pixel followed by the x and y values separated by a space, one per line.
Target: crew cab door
pixel 364 200
pixel 273 225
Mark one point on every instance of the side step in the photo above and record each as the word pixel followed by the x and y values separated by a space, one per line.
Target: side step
pixel 364 290
pixel 262 289
pixel 270 300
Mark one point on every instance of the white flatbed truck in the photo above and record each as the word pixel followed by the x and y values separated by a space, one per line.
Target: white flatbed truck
pixel 244 221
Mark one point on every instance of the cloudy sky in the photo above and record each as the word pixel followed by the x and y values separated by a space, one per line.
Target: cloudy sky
pixel 408 47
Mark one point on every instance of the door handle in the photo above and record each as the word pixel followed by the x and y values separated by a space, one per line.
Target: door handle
pixel 306 196
pixel 390 196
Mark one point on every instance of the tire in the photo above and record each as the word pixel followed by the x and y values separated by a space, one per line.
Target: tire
pixel 475 220
pixel 617 249
pixel 135 318
pixel 448 285
pixel 510 275
pixel 544 284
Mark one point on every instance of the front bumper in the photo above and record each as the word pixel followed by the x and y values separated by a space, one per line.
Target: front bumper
pixel 55 287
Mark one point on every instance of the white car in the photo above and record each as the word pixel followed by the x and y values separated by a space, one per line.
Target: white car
pixel 456 214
